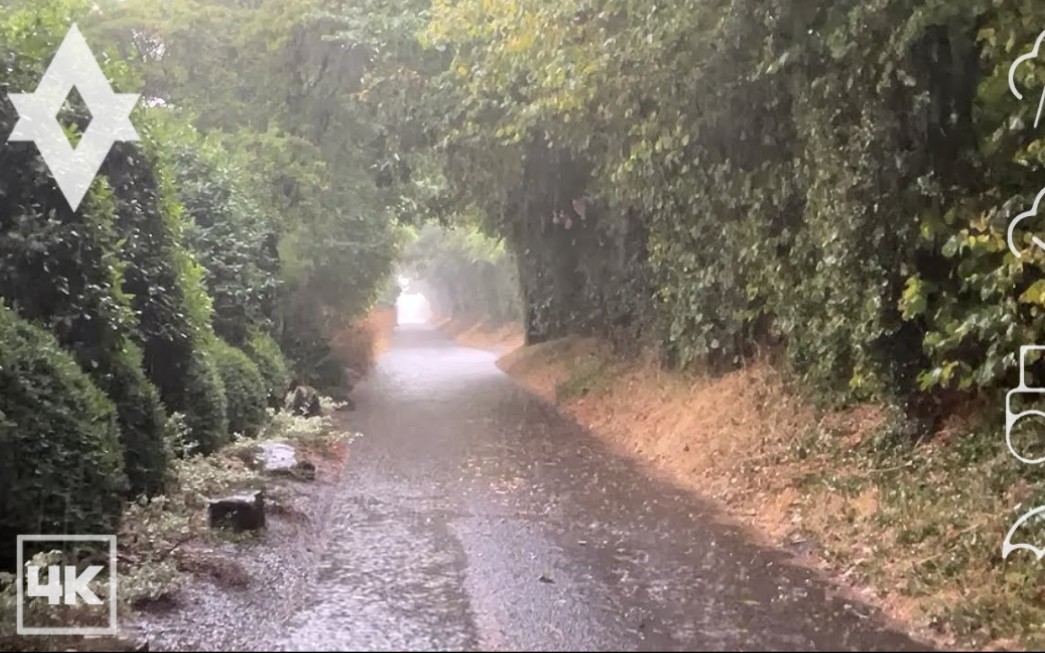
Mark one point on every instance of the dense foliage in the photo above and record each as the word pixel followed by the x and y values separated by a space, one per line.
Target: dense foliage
pixel 714 178
pixel 231 237
pixel 244 389
pixel 286 155
pixel 62 269
pixel 61 471
pixel 162 282
pixel 207 258
pixel 708 178
pixel 265 353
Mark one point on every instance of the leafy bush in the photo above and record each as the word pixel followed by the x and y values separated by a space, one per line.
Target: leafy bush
pixel 111 273
pixel 165 287
pixel 355 345
pixel 309 351
pixel 61 469
pixel 265 353
pixel 207 420
pixel 62 269
pixel 229 234
pixel 245 389
pixel 819 178
pixel 331 376
pixel 142 420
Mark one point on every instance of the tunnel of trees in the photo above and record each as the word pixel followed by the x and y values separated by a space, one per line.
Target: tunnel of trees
pixel 827 182
pixel 463 273
pixel 710 179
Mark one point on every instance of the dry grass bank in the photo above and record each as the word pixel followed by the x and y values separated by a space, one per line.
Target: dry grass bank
pixel 916 531
pixel 477 333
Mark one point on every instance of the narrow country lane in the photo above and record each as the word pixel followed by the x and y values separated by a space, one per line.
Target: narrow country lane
pixel 473 516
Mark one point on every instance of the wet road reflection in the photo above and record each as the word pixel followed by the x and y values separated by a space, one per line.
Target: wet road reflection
pixel 473 516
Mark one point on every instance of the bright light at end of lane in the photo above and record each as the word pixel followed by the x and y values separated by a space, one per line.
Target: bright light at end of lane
pixel 413 308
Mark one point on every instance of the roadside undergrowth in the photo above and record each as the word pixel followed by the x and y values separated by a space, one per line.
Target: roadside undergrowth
pixel 154 530
pixel 914 529
pixel 160 538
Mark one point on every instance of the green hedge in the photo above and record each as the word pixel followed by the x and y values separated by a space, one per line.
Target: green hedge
pixel 166 288
pixel 228 233
pixel 831 181
pixel 62 269
pixel 308 348
pixel 142 419
pixel 208 419
pixel 245 390
pixel 61 470
pixel 266 354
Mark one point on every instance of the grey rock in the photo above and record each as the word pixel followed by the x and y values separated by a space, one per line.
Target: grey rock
pixel 280 458
pixel 277 457
pixel 305 470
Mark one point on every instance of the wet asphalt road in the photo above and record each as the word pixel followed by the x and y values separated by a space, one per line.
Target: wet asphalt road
pixel 472 516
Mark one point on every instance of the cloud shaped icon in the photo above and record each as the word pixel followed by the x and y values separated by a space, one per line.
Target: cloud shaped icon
pixel 1008 547
pixel 1020 218
pixel 1033 54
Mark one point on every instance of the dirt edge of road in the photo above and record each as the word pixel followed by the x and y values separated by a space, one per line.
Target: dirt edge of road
pixel 480 334
pixel 802 479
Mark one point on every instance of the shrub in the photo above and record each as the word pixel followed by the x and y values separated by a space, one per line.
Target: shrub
pixel 142 420
pixel 331 376
pixel 245 390
pixel 828 193
pixel 207 409
pixel 266 354
pixel 356 345
pixel 229 233
pixel 61 468
pixel 166 290
pixel 61 269
pixel 305 342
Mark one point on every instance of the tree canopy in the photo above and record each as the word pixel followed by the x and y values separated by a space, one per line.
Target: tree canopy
pixel 718 178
